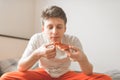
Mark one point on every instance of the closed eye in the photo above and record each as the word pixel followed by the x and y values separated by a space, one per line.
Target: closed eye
pixel 59 26
pixel 50 27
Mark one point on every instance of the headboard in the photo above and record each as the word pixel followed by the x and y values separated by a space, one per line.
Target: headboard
pixel 11 46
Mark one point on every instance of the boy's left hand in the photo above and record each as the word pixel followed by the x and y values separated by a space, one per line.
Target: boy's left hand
pixel 74 53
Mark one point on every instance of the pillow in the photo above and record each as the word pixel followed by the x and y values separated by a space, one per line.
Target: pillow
pixel 8 65
pixel 115 74
pixel 0 72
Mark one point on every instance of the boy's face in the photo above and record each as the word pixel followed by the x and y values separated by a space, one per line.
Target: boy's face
pixel 54 28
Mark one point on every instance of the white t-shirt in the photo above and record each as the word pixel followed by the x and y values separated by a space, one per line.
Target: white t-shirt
pixel 61 63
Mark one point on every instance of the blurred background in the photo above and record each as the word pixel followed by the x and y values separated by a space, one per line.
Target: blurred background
pixel 95 22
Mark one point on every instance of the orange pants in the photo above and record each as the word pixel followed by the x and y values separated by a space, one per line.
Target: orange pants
pixel 40 74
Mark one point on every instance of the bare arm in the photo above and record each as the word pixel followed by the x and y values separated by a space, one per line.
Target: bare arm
pixel 78 55
pixel 85 65
pixel 26 63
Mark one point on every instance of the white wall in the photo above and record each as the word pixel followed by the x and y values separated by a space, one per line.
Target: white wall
pixel 96 23
pixel 11 48
pixel 17 17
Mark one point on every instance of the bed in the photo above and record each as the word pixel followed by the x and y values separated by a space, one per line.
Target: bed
pixel 8 63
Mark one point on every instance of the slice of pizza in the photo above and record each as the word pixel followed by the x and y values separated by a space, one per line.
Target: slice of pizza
pixel 61 46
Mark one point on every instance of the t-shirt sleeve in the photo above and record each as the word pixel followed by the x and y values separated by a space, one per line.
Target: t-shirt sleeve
pixel 31 46
pixel 76 42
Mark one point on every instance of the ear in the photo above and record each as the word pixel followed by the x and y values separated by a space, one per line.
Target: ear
pixel 65 29
pixel 42 28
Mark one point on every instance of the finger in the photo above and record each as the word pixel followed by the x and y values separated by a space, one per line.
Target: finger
pixel 71 50
pixel 74 48
pixel 49 45
pixel 68 52
pixel 51 55
pixel 50 50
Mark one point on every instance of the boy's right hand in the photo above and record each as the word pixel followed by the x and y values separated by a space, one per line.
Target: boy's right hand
pixel 48 51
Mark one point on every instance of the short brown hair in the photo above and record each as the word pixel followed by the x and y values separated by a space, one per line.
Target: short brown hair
pixel 53 11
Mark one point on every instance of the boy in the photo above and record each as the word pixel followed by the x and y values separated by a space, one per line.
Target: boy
pixel 54 50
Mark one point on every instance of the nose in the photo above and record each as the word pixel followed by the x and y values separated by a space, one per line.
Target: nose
pixel 54 30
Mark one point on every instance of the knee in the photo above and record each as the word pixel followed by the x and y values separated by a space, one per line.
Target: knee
pixel 6 74
pixel 103 76
pixel 107 77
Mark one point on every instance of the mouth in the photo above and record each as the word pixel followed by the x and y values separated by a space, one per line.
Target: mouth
pixel 54 38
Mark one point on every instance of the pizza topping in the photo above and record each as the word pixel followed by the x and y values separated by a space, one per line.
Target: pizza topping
pixel 61 46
